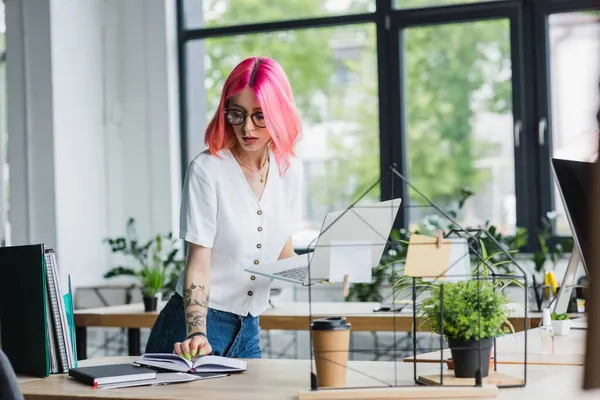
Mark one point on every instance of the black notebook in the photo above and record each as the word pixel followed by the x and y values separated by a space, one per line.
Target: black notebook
pixel 99 375
pixel 24 330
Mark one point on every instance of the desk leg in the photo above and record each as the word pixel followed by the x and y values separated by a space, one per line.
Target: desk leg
pixel 134 341
pixel 81 341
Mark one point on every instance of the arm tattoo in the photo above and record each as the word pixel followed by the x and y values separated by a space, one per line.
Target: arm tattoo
pixel 195 303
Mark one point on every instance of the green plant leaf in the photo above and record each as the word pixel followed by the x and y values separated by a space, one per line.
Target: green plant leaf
pixel 120 271
pixel 159 268
pixel 559 317
pixel 471 310
pixel 170 258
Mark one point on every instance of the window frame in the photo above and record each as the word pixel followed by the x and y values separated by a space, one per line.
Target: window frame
pixel 401 19
pixel 540 12
pixel 530 86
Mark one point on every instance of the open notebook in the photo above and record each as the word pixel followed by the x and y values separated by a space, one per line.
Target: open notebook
pixel 174 362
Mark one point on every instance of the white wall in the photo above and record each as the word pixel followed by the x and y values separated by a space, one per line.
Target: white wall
pixel 149 129
pixel 79 139
pixel 30 122
pixel 93 128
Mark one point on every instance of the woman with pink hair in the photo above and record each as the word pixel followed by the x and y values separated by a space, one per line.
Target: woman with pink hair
pixel 241 204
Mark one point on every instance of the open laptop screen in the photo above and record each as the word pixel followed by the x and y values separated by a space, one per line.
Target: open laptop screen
pixel 572 178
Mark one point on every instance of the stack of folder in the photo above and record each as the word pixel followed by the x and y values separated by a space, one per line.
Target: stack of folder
pixel 37 327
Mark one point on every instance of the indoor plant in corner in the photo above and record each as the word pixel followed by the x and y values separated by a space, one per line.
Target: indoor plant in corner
pixel 159 266
pixel 474 313
pixel 152 280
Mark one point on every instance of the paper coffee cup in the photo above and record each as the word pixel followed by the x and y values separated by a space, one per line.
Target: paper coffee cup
pixel 331 340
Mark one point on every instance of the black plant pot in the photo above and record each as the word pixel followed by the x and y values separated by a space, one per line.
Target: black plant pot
pixel 466 356
pixel 150 303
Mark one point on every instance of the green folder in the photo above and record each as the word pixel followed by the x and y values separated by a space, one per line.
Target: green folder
pixel 23 325
pixel 68 298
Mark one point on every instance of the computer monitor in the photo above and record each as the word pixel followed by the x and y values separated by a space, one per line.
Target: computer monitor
pixel 572 180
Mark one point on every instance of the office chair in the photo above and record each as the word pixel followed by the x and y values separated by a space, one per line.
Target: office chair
pixel 9 385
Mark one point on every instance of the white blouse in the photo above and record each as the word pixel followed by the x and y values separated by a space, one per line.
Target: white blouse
pixel 220 211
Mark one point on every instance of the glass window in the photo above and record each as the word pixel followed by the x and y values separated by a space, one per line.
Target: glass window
pixel 432 3
pixel 574 46
pixel 338 101
pixel 459 121
pixel 212 13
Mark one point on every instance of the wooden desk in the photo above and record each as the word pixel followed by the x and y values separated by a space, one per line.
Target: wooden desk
pixel 284 379
pixel 283 316
pixel 569 350
pixel 24 379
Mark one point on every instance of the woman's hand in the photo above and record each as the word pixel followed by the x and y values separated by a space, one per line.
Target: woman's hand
pixel 195 303
pixel 287 251
pixel 195 346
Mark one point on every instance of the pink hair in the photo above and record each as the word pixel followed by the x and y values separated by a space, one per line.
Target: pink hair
pixel 272 89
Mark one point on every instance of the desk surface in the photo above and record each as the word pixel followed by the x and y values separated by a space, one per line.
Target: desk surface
pixel 284 379
pixel 568 350
pixel 284 316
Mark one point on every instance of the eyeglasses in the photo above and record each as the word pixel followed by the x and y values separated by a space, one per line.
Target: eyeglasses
pixel 238 117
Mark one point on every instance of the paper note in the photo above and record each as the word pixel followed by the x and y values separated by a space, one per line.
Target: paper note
pixel 449 261
pixel 350 258
pixel 425 259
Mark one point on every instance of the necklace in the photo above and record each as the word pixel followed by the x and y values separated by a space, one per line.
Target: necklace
pixel 252 168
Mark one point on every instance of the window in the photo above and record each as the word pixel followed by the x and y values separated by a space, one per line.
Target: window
pixel 459 120
pixel 452 91
pixel 213 13
pixel 431 3
pixel 574 46
pixel 338 102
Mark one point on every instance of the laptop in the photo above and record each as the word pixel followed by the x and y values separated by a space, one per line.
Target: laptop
pixel 366 224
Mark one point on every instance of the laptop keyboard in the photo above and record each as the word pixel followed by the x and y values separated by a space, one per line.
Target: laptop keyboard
pixel 297 274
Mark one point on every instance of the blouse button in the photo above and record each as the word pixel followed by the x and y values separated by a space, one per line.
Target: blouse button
pixel 252 277
pixel 258 246
pixel 255 262
pixel 259 212
pixel 259 229
pixel 250 293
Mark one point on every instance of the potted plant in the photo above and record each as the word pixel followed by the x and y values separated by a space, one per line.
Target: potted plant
pixel 474 313
pixel 158 266
pixel 561 324
pixel 152 279
pixel 474 310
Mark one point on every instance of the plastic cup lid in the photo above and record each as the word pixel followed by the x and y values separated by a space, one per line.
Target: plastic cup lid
pixel 330 323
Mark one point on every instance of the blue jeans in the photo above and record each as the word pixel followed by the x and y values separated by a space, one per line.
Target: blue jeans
pixel 229 335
